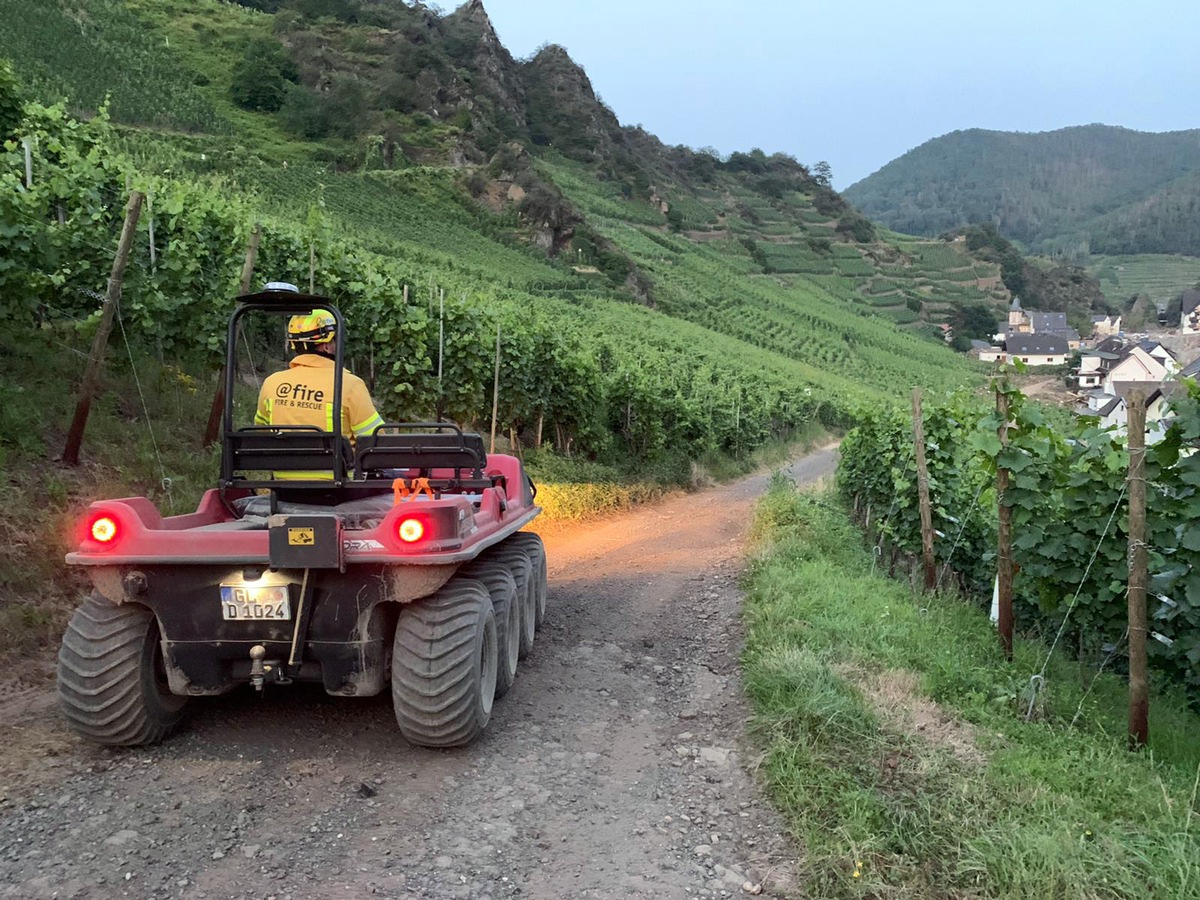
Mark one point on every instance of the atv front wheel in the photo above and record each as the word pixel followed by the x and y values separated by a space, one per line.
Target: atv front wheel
pixel 444 660
pixel 112 683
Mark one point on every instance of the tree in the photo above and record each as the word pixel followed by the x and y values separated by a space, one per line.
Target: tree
pixel 12 106
pixel 261 76
pixel 674 219
pixel 973 320
pixel 822 173
pixel 856 226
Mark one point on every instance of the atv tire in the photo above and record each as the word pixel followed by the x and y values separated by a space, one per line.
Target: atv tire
pixel 444 661
pixel 532 545
pixel 507 606
pixel 517 561
pixel 112 683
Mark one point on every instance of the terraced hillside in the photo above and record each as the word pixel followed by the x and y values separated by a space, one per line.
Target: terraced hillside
pixel 692 275
pixel 1159 277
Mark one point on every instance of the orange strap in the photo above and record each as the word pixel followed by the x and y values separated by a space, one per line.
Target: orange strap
pixel 404 489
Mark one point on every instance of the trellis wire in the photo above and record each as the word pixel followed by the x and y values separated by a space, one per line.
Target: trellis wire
pixel 962 526
pixel 162 469
pixel 1075 600
pixel 1107 659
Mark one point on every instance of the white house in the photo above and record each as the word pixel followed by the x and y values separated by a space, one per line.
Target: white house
pixel 1138 366
pixel 1036 349
pixel 1115 414
pixel 1189 312
pixel 1164 356
pixel 1105 326
pixel 1094 366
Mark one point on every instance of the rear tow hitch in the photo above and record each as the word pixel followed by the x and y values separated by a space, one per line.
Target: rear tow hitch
pixel 257 671
pixel 260 668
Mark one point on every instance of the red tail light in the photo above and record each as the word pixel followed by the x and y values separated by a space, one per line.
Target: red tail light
pixel 410 530
pixel 104 529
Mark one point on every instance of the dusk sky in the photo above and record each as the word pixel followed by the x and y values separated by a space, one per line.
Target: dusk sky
pixel 859 83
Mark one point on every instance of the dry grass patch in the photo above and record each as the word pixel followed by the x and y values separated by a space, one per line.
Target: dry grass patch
pixel 895 696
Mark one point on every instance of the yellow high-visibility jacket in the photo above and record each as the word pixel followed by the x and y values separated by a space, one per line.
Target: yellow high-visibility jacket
pixel 302 394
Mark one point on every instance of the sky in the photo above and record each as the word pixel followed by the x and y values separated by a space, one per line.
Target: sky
pixel 857 83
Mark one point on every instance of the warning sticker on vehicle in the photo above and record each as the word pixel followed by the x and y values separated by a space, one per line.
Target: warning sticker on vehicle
pixel 301 537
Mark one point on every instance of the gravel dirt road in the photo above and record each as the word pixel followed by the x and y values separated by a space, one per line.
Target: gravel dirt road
pixel 616 767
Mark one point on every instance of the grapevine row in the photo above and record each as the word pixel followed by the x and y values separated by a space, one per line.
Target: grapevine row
pixel 1069 515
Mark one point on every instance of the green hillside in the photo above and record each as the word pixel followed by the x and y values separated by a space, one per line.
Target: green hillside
pixel 658 303
pixel 1094 188
pixel 1160 278
pixel 664 313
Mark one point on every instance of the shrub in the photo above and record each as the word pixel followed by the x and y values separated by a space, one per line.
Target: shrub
pixel 261 76
pixel 856 226
pixel 11 104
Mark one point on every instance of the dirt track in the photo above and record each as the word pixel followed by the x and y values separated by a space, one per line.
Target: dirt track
pixel 616 767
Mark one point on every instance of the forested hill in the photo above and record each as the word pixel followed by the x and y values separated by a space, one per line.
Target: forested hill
pixel 1097 188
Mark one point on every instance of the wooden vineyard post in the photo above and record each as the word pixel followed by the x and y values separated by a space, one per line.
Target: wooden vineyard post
pixel 1139 691
pixel 441 352
pixel 496 391
pixel 218 405
pixel 1004 560
pixel 91 375
pixel 923 493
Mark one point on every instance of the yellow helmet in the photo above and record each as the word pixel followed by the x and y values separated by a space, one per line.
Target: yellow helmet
pixel 311 331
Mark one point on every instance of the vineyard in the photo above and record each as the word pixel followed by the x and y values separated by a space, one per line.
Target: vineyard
pixel 1158 276
pixel 123 60
pixel 744 313
pixel 1070 515
pixel 597 376
pixel 816 317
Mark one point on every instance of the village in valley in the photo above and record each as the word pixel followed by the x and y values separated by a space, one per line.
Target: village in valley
pixel 1103 368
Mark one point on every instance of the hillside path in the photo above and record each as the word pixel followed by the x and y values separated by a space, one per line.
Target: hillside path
pixel 616 767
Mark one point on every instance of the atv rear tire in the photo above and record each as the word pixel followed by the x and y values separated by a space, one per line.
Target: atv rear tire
pixel 517 561
pixel 532 544
pixel 499 581
pixel 444 661
pixel 112 683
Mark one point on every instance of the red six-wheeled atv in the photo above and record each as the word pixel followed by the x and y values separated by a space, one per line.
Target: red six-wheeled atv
pixel 407 569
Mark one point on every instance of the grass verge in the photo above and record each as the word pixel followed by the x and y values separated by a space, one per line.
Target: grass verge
pixel 896 746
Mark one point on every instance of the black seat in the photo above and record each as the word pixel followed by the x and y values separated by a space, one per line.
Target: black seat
pixel 282 448
pixel 436 446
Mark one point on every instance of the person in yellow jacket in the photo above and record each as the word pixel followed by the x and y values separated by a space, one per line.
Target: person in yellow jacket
pixel 302 394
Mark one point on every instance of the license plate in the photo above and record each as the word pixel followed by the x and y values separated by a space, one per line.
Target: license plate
pixel 268 602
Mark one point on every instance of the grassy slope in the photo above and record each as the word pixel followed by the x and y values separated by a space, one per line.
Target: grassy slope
pixel 831 312
pixel 121 458
pixel 895 740
pixel 88 50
